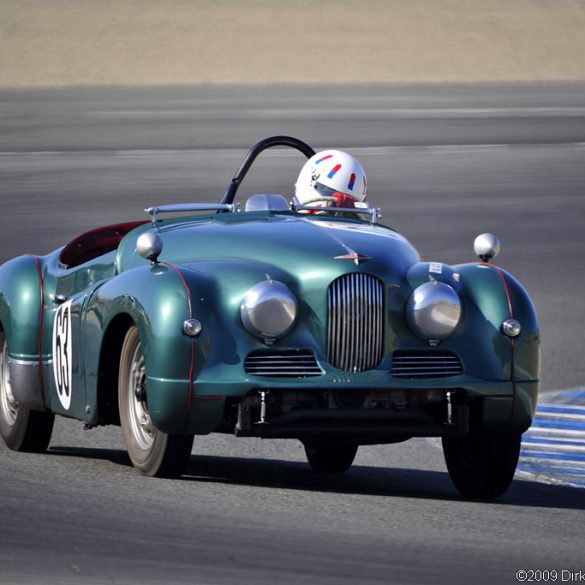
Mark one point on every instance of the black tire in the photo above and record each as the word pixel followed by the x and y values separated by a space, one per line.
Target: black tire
pixel 22 429
pixel 482 465
pixel 330 458
pixel 151 451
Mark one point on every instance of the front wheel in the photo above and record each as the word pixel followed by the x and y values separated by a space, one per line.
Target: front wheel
pixel 330 457
pixel 482 465
pixel 22 429
pixel 151 451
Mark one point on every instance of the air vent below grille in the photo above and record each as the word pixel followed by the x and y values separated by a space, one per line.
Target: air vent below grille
pixel 425 364
pixel 286 363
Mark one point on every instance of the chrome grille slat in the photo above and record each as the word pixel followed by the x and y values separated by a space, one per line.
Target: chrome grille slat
pixel 425 364
pixel 352 330
pixel 344 309
pixel 364 322
pixel 371 320
pixel 355 322
pixel 282 363
pixel 359 333
pixel 379 320
pixel 333 323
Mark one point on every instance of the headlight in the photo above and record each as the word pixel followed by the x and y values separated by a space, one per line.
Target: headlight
pixel 268 310
pixel 433 310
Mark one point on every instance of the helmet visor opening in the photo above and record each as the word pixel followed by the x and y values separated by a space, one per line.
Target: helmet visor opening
pixel 325 191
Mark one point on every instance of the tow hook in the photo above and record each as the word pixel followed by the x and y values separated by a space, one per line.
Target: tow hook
pixel 263 394
pixel 449 396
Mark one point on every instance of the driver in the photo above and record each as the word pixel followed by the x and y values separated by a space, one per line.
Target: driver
pixel 332 178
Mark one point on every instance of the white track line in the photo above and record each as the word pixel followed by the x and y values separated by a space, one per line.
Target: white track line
pixel 281 153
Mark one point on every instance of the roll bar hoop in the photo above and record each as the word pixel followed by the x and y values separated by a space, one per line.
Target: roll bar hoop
pixel 232 188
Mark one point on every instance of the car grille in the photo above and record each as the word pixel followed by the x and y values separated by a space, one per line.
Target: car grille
pixel 425 364
pixel 356 317
pixel 291 363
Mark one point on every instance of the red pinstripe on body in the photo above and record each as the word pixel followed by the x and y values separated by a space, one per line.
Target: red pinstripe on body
pixel 507 291
pixel 188 292
pixel 513 344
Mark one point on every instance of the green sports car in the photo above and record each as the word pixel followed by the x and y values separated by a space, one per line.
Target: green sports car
pixel 270 320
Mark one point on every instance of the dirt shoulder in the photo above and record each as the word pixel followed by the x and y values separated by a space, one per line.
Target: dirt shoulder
pixel 133 42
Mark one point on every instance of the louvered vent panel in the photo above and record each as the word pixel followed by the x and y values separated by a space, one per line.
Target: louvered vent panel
pixel 283 363
pixel 425 364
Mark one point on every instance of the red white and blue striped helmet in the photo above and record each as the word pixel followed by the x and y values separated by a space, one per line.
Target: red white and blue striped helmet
pixel 328 172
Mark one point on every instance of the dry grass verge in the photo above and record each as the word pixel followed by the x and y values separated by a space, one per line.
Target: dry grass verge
pixel 128 42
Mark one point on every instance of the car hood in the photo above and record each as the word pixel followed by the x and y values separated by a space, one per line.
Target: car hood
pixel 298 245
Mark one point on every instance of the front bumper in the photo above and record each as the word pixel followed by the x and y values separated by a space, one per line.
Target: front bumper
pixel 503 406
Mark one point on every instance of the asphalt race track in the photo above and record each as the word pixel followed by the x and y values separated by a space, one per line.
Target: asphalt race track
pixel 444 164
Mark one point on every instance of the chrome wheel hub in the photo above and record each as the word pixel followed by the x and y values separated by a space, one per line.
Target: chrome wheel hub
pixel 142 428
pixel 8 404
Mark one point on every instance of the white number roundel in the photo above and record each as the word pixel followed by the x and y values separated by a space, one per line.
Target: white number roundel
pixel 63 353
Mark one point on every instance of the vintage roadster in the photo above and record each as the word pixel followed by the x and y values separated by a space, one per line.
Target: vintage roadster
pixel 276 322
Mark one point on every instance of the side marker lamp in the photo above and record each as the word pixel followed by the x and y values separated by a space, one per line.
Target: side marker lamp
pixel 511 328
pixel 192 327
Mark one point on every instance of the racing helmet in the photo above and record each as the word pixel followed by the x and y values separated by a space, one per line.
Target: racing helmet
pixel 331 173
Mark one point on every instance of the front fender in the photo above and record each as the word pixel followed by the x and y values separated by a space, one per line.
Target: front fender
pixel 157 301
pixel 20 305
pixel 21 300
pixel 488 287
pixel 499 296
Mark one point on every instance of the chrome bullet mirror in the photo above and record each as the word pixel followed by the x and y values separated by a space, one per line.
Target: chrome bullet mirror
pixel 149 245
pixel 486 246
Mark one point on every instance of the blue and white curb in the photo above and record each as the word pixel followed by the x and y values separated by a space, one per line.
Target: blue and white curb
pixel 553 448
